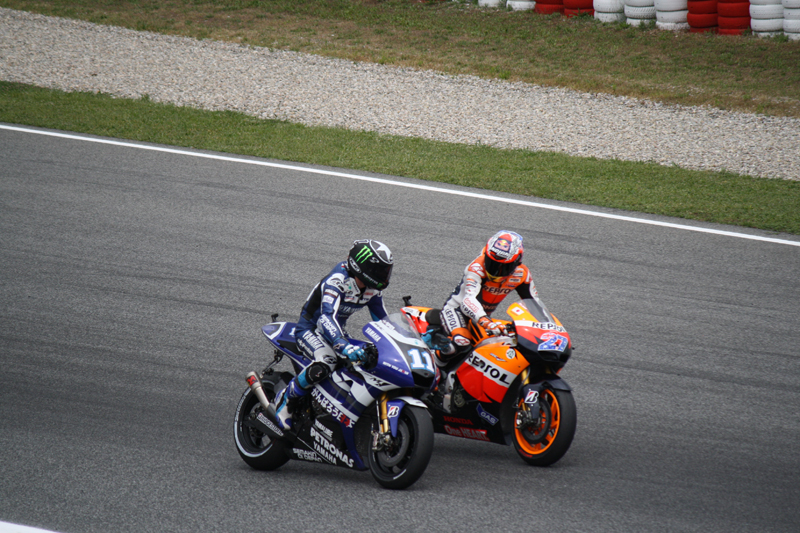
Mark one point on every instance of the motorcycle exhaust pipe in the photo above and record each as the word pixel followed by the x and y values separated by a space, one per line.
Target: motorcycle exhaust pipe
pixel 255 384
pixel 264 422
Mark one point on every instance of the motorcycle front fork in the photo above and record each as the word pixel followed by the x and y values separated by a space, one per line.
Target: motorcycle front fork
pixel 525 417
pixel 382 438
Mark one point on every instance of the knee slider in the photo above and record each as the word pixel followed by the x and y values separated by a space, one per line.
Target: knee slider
pixel 461 343
pixel 313 374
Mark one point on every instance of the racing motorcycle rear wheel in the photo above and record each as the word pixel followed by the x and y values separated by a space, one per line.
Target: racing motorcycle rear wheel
pixel 403 461
pixel 543 438
pixel 256 448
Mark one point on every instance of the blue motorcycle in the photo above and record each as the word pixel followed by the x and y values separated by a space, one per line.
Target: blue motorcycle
pixel 365 416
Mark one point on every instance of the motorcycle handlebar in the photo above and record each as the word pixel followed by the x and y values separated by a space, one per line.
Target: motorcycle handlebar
pixel 370 358
pixel 508 331
pixel 371 355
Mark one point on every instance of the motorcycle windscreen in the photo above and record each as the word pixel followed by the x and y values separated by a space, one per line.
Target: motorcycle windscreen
pixel 531 309
pixel 489 371
pixel 394 362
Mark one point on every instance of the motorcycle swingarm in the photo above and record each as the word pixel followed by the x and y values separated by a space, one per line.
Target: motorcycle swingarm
pixel 265 422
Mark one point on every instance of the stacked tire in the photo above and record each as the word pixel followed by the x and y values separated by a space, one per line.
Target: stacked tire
pixel 520 5
pixel 573 8
pixel 547 7
pixel 638 12
pixel 791 19
pixel 609 10
pixel 766 17
pixel 733 16
pixel 702 16
pixel 671 14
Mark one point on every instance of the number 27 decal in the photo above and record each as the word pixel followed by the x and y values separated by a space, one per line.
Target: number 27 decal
pixel 553 342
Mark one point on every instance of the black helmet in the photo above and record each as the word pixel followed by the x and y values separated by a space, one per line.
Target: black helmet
pixel 371 262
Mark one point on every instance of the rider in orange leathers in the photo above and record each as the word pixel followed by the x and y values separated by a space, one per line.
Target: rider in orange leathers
pixel 486 282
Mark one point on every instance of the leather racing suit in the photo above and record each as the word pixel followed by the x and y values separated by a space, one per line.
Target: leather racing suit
pixel 477 296
pixel 320 333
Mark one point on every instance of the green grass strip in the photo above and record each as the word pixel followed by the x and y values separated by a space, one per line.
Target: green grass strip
pixel 721 197
pixel 744 73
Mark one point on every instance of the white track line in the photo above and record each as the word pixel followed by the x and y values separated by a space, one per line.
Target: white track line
pixel 8 527
pixel 403 184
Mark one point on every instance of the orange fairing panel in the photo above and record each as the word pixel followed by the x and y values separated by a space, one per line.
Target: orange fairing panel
pixel 417 316
pixel 472 381
pixel 518 312
pixel 489 371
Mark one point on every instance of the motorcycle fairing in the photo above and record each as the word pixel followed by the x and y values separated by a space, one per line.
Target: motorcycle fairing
pixel 487 416
pixel 417 315
pixel 325 440
pixel 334 396
pixel 467 433
pixel 406 353
pixel 473 421
pixel 489 371
pixel 394 366
pixel 281 334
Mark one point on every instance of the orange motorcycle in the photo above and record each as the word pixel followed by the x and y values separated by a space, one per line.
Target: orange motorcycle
pixel 507 389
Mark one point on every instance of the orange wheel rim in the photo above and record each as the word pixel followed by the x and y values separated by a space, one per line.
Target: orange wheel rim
pixel 543 441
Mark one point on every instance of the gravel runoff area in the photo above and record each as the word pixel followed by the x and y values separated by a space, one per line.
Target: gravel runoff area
pixel 79 56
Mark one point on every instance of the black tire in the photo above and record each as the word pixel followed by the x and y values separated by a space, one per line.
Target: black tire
pixel 545 442
pixel 255 447
pixel 404 463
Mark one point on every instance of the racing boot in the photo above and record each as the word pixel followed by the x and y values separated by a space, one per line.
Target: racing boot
pixel 285 401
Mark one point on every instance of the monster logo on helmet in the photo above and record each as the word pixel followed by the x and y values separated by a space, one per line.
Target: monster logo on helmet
pixel 371 262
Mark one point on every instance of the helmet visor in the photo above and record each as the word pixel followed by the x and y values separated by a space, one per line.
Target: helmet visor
pixel 497 269
pixel 376 275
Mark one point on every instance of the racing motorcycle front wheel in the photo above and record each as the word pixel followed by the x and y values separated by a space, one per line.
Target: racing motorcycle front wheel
pixel 256 448
pixel 401 462
pixel 542 438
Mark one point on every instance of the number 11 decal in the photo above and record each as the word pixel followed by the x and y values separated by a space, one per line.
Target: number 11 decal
pixel 418 362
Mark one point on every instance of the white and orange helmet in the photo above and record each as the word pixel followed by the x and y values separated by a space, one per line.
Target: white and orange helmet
pixel 503 254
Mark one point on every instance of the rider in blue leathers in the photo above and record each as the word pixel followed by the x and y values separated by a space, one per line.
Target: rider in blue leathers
pixel 350 286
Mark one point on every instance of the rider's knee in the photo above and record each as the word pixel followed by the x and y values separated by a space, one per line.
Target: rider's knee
pixel 313 374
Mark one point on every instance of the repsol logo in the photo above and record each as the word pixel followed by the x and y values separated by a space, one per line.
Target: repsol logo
pixel 497 290
pixel 451 322
pixel 489 370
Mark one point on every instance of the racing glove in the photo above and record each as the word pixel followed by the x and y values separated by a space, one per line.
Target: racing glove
pixel 435 340
pixel 354 353
pixel 491 327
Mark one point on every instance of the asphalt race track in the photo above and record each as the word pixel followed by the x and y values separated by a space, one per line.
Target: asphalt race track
pixel 134 284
